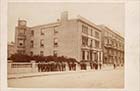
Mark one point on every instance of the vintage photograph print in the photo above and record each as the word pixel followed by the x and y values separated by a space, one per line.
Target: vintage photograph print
pixel 65 45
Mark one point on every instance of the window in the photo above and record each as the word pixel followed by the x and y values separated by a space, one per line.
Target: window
pixel 41 53
pixel 55 42
pixel 31 53
pixel 96 44
pixel 55 30
pixel 87 55
pixel 55 53
pixel 91 32
pixel 96 34
pixel 84 41
pixel 95 57
pixel 32 32
pixel 32 44
pixel 21 42
pixel 91 43
pixel 106 41
pixel 41 43
pixel 42 31
pixel 84 29
pixel 83 55
pixel 22 31
pixel 90 54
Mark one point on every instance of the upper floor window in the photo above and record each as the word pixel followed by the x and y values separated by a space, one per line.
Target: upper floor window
pixel 105 40
pixel 32 44
pixel 41 43
pixel 21 31
pixel 55 42
pixel 41 53
pixel 55 30
pixel 84 41
pixel 31 53
pixel 55 53
pixel 96 34
pixel 91 43
pixel 84 29
pixel 21 42
pixel 32 32
pixel 96 44
pixel 42 31
pixel 91 33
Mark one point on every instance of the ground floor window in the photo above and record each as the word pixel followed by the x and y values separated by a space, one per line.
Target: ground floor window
pixel 83 55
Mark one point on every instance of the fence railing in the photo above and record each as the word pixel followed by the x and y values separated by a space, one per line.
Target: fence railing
pixel 30 67
pixel 21 65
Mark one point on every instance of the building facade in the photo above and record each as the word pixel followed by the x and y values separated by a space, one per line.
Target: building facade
pixel 113 46
pixel 77 38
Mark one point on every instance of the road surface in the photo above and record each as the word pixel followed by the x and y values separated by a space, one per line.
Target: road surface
pixel 85 79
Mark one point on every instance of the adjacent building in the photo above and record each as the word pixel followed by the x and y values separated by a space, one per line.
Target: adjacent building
pixel 113 46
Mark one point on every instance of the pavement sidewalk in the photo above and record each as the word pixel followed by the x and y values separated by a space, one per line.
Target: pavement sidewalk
pixel 36 74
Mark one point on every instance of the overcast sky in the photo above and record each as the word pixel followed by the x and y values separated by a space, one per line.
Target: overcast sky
pixel 109 14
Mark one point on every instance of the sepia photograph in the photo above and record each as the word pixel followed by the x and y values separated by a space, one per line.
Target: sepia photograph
pixel 66 45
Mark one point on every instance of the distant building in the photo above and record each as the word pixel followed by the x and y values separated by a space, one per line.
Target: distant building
pixel 113 46
pixel 11 49
pixel 77 38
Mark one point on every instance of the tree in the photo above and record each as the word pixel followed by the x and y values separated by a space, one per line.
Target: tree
pixel 20 58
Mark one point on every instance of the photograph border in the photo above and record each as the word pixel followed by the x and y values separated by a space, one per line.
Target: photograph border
pixel 132 17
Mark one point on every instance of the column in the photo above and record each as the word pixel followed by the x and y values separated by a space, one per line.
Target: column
pixel 101 56
pixel 98 57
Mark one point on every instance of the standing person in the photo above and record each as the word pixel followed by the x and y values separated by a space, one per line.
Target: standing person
pixel 39 67
pixel 114 65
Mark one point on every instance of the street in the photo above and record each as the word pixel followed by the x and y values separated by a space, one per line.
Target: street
pixel 84 79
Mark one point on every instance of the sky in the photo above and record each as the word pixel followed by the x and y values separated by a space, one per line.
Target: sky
pixel 38 13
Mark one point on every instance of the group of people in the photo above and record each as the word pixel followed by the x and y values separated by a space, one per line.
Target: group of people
pixel 72 66
pixel 60 66
pixel 92 66
pixel 46 67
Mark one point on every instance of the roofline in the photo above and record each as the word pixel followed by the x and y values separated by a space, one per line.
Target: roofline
pixel 89 23
pixel 47 25
pixel 112 31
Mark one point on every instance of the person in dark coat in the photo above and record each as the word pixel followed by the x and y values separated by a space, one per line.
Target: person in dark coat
pixel 114 65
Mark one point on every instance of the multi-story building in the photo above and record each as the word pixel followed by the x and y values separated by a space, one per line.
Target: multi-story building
pixel 113 46
pixel 77 38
